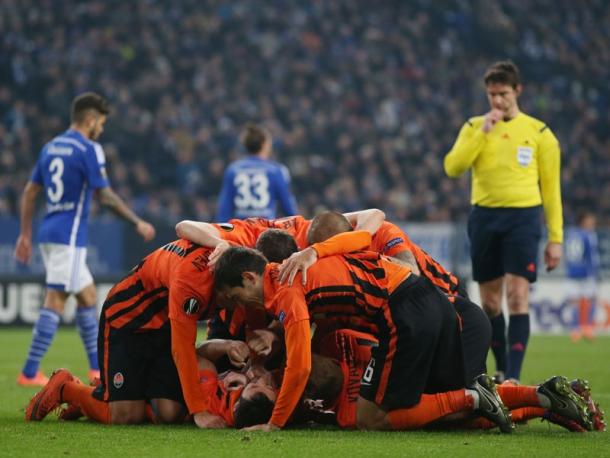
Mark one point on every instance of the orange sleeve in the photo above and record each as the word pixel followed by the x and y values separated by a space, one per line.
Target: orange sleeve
pixel 236 232
pixel 298 366
pixel 184 334
pixel 345 242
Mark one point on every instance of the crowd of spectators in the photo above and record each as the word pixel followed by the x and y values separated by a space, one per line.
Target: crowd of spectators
pixel 363 98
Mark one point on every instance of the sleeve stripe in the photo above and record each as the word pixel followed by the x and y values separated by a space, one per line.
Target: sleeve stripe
pixel 544 128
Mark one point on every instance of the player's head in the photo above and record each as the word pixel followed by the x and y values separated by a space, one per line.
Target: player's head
pixel 89 112
pixel 276 245
pixel 257 140
pixel 503 85
pixel 586 220
pixel 327 224
pixel 256 402
pixel 238 275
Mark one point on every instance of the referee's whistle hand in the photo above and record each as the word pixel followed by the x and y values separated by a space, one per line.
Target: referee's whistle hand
pixel 552 255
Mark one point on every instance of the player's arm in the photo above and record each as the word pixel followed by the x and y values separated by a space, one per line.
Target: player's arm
pixel 366 220
pixel 23 247
pixel 225 199
pixel 549 164
pixel 204 234
pixel 286 198
pixel 214 349
pixel 343 243
pixel 467 147
pixel 406 258
pixel 111 200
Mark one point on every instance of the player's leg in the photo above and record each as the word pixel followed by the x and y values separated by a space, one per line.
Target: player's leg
pixel 487 270
pixel 44 331
pixel 87 325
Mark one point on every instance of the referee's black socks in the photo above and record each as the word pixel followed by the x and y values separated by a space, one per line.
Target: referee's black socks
pixel 518 335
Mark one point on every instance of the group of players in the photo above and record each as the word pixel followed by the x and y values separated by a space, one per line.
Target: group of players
pixel 397 345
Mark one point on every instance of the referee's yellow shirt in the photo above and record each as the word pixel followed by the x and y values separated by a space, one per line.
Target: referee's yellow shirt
pixel 516 164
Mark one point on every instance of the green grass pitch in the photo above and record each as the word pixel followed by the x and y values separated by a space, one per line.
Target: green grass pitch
pixel 547 355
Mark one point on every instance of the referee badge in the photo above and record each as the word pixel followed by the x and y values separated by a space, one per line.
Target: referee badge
pixel 524 155
pixel 190 306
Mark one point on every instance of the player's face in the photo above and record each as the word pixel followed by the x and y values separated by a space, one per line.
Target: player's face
pixel 250 293
pixel 233 380
pixel 263 384
pixel 96 126
pixel 503 97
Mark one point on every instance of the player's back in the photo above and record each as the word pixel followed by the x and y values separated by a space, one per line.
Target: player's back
pixel 141 301
pixel 254 186
pixel 390 240
pixel 581 253
pixel 69 168
pixel 246 232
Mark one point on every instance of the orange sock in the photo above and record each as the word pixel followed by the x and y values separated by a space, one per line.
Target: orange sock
pixel 583 312
pixel 430 407
pixel 527 413
pixel 479 423
pixel 518 396
pixel 81 395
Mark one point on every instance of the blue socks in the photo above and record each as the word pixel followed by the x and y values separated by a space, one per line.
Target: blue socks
pixel 44 331
pixel 87 325
pixel 498 341
pixel 518 335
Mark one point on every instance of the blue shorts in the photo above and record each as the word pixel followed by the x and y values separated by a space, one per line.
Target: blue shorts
pixel 504 240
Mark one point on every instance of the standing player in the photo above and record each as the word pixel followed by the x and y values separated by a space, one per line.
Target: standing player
pixel 254 185
pixel 582 264
pixel 515 162
pixel 69 169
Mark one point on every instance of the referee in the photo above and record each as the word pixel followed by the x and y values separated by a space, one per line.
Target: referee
pixel 515 161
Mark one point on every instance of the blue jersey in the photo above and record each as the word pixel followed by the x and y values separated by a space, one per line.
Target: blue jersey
pixel 69 168
pixel 582 255
pixel 252 187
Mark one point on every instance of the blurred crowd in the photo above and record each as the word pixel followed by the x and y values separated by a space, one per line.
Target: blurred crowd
pixel 363 98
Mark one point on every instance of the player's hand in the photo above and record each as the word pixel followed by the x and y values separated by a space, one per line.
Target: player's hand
pixel 206 420
pixel 23 249
pixel 219 250
pixel 261 342
pixel 297 262
pixel 238 353
pixel 552 255
pixel 146 230
pixel 266 427
pixel 491 119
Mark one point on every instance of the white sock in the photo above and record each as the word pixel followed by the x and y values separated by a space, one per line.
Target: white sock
pixel 475 398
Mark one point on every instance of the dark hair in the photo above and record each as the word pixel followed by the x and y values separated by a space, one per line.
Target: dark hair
pixel 503 72
pixel 253 138
pixel 327 224
pixel 253 411
pixel 87 102
pixel 234 262
pixel 276 245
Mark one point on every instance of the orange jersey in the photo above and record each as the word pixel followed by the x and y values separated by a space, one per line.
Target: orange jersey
pixel 246 232
pixel 171 287
pixel 390 240
pixel 343 291
pixel 219 401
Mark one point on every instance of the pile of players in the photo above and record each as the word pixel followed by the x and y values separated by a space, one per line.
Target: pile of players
pixel 396 343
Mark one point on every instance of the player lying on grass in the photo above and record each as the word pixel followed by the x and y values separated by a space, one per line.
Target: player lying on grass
pixel 231 398
pixel 420 347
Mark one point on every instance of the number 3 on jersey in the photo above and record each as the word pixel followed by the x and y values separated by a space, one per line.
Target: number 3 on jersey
pixel 252 191
pixel 56 191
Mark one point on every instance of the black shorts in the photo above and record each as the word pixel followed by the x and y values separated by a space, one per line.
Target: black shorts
pixel 420 353
pixel 136 366
pixel 504 240
pixel 476 337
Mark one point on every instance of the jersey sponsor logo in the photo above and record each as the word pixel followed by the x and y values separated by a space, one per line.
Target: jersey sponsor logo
pixel 61 207
pixel 228 227
pixel 392 243
pixel 282 316
pixel 118 380
pixel 524 155
pixel 190 306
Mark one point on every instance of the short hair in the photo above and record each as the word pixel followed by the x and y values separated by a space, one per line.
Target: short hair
pixel 276 245
pixel 503 72
pixel 86 102
pixel 253 137
pixel 253 411
pixel 327 224
pixel 234 262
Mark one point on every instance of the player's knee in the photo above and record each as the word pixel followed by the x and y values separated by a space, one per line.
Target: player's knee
pixel 129 414
pixel 55 300
pixel 492 308
pixel 370 416
pixel 87 297
pixel 169 412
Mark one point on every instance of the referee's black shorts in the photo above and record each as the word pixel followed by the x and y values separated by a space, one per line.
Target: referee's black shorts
pixel 504 240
